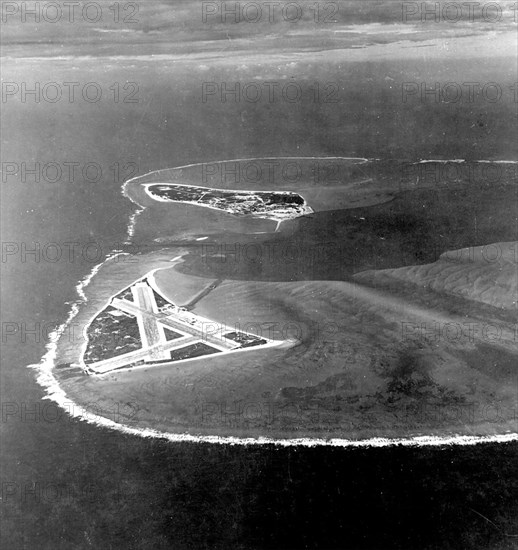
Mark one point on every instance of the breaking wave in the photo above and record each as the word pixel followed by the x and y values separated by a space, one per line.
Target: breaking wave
pixel 46 379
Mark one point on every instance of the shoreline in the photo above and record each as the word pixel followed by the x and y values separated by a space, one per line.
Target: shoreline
pixel 306 208
pixel 48 379
pixel 60 396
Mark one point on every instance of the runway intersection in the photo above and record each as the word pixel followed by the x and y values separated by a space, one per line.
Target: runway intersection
pixel 168 334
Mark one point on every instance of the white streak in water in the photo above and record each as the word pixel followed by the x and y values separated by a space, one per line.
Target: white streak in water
pixel 361 159
pixel 131 225
pixel 442 161
pixel 54 392
pixel 498 161
pixel 460 161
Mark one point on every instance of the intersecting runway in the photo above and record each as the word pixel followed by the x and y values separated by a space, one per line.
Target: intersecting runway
pixel 151 324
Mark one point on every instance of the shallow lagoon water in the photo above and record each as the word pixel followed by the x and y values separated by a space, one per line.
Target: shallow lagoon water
pixel 361 498
pixel 270 404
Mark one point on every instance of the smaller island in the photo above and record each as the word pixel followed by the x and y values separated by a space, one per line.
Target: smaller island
pixel 274 205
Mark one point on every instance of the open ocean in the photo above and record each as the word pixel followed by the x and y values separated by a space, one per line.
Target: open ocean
pixel 71 484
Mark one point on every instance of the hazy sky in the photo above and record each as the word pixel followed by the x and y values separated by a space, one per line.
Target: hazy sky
pixel 93 28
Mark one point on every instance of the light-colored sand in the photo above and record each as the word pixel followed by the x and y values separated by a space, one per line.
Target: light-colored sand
pixel 325 183
pixel 487 274
pixel 178 288
pixel 354 374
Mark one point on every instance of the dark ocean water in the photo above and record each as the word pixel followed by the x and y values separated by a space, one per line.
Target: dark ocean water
pixel 68 484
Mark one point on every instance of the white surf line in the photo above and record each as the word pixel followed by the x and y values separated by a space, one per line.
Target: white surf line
pixel 460 161
pixel 80 292
pixel 88 278
pixel 44 374
pixel 132 222
pixel 441 161
pixel 46 379
pixel 498 161
pixel 362 159
pixel 134 216
pixel 130 232
pixel 56 394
